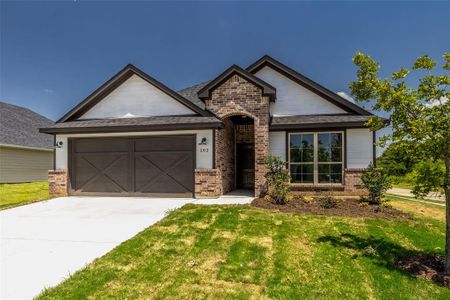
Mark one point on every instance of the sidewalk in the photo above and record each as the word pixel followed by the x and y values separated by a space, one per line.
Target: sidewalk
pixel 408 193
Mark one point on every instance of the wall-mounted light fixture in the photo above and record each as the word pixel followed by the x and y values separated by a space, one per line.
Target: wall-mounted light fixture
pixel 204 141
pixel 58 144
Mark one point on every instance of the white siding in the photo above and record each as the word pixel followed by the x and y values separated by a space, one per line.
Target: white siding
pixel 277 144
pixel 136 98
pixel 24 165
pixel 294 99
pixel 204 153
pixel 359 147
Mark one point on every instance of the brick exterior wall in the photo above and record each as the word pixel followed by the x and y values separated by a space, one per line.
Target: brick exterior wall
pixel 57 182
pixel 225 159
pixel 351 187
pixel 237 96
pixel 207 183
pixel 245 134
pixel 353 182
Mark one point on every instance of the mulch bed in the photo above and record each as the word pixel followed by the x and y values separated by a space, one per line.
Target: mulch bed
pixel 348 207
pixel 427 266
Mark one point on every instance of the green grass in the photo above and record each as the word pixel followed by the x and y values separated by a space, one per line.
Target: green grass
pixel 16 194
pixel 241 252
pixel 403 185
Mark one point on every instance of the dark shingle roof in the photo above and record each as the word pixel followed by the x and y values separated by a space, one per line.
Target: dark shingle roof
pixel 135 124
pixel 190 93
pixel 20 126
pixel 318 121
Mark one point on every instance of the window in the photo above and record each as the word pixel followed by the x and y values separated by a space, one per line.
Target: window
pixel 316 158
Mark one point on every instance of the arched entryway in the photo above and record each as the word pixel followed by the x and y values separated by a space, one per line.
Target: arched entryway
pixel 235 153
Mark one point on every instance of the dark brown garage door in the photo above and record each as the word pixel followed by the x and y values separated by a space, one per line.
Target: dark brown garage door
pixel 138 166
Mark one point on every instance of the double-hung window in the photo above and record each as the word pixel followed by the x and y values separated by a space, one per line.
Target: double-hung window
pixel 316 157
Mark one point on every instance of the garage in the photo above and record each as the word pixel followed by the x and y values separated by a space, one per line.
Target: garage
pixel 156 166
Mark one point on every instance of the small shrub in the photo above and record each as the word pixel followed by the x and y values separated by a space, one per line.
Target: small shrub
pixel 268 198
pixel 376 182
pixel 297 197
pixel 307 200
pixel 328 202
pixel 363 203
pixel 288 198
pixel 386 203
pixel 277 177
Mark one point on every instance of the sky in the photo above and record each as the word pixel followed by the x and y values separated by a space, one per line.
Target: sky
pixel 54 54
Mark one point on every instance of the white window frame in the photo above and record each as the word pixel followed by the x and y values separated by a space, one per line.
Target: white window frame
pixel 316 157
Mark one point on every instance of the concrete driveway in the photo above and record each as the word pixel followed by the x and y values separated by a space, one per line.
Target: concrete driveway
pixel 44 242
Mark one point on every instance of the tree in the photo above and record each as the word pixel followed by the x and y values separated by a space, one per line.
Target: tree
pixel 420 116
pixel 396 160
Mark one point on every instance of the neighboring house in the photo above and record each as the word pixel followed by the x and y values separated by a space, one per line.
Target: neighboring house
pixel 26 155
pixel 135 136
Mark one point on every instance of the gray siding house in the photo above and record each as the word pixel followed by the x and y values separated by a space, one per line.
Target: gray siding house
pixel 26 155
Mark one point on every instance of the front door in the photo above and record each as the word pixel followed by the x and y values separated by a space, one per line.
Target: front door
pixel 245 166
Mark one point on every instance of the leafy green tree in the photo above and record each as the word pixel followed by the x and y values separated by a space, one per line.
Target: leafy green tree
pixel 396 159
pixel 427 176
pixel 418 115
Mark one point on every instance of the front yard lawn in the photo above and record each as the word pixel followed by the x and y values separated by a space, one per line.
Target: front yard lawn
pixel 241 252
pixel 16 194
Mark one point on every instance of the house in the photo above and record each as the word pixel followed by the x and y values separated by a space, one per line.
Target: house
pixel 135 136
pixel 26 155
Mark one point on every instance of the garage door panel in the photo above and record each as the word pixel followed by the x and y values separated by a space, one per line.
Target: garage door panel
pixel 163 184
pixel 184 178
pixel 101 145
pixel 103 184
pixel 161 143
pixel 101 172
pixel 134 166
pixel 158 171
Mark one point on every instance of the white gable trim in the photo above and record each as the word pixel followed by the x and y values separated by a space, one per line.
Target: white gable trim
pixel 293 98
pixel 136 97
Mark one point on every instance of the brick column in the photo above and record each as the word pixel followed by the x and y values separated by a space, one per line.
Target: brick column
pixel 57 183
pixel 261 151
pixel 207 183
pixel 353 182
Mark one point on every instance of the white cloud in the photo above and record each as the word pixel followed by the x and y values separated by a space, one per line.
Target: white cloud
pixel 48 91
pixel 435 102
pixel 346 96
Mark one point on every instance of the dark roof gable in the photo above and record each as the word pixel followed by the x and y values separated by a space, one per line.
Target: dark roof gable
pixel 116 81
pixel 267 89
pixel 19 126
pixel 307 83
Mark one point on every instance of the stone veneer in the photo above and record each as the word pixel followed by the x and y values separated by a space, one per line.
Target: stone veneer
pixel 57 182
pixel 237 96
pixel 207 183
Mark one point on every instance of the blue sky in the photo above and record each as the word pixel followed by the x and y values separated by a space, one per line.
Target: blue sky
pixel 54 54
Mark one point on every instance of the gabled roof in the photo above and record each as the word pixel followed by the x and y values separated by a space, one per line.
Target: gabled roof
pixel 135 124
pixel 307 83
pixel 318 121
pixel 267 89
pixel 19 126
pixel 116 81
pixel 191 93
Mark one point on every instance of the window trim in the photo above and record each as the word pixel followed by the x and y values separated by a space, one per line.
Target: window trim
pixel 316 157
